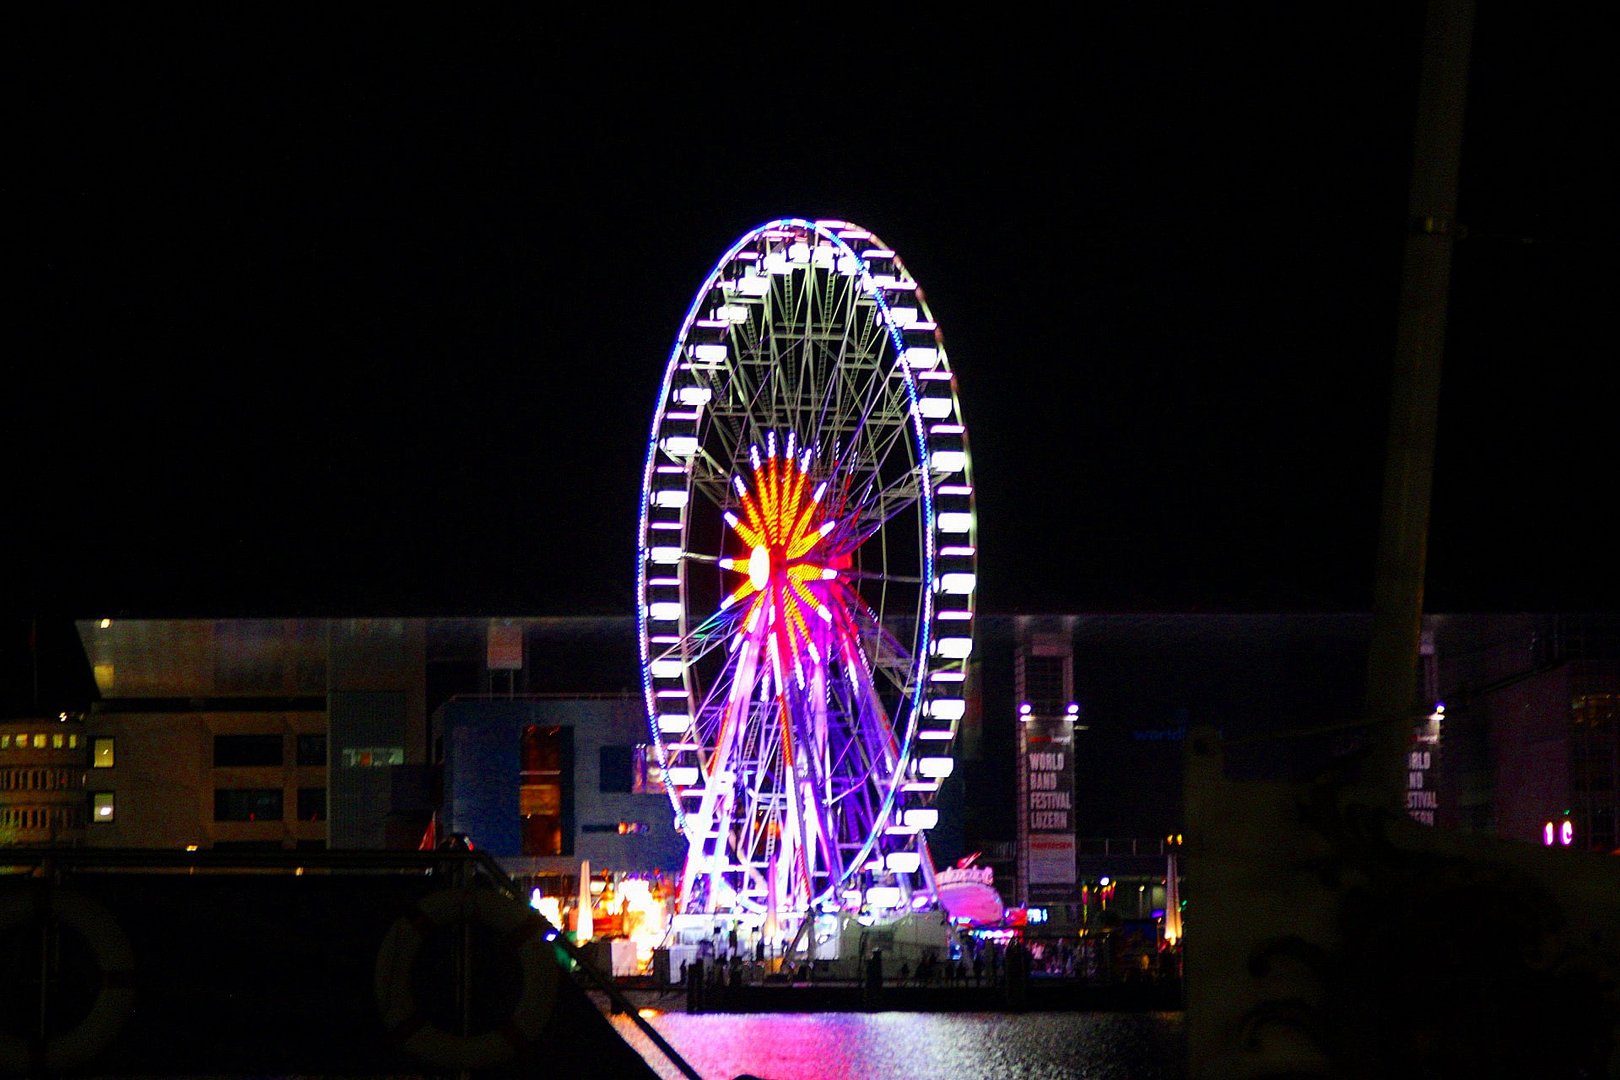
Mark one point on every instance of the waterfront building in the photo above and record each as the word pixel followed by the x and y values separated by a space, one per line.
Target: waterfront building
pixel 251 733
pixel 525 734
pixel 42 780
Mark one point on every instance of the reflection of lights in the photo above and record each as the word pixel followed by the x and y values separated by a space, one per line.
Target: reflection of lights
pixel 645 918
pixel 549 907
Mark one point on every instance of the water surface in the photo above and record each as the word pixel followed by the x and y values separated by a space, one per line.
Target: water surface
pixel 922 1046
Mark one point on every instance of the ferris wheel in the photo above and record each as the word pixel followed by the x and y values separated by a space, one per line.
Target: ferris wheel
pixel 807 574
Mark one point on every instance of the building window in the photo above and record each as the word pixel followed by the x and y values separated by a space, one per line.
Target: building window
pixel 247 750
pixel 101 807
pixel 616 772
pixel 311 804
pixel 73 742
pixel 101 754
pixel 370 757
pixel 39 741
pixel 58 740
pixel 545 789
pixel 312 750
pixel 5 741
pixel 622 828
pixel 649 775
pixel 247 804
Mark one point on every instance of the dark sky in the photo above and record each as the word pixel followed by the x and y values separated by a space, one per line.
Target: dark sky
pixel 346 310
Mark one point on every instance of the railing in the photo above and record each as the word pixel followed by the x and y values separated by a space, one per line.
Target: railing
pixel 1128 846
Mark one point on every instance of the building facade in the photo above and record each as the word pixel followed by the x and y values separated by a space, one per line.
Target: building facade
pixel 250 733
pixel 42 781
pixel 527 735
pixel 548 783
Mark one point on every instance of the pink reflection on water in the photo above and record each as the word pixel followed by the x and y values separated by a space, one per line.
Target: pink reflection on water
pixel 771 1046
pixel 918 1046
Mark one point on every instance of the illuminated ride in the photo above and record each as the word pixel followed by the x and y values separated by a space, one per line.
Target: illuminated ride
pixel 807 574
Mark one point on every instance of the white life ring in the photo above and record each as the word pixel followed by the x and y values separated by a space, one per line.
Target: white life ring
pixel 396 961
pixel 114 999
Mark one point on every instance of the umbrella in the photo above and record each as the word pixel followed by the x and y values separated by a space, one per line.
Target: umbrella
pixel 582 923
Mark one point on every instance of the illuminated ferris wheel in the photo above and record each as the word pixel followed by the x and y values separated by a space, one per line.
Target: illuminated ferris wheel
pixel 807 570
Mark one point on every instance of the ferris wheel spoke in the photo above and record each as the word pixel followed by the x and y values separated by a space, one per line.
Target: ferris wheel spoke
pixel 780 694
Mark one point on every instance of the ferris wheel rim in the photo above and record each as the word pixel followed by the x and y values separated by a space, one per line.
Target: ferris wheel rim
pixel 915 696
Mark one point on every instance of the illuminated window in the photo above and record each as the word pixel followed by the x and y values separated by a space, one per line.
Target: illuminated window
pixel 649 775
pixel 622 828
pixel 58 740
pixel 545 789
pixel 372 757
pixel 39 741
pixel 101 754
pixel 73 742
pixel 5 742
pixel 101 806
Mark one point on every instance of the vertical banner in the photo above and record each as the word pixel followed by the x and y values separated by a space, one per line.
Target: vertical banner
pixel 1047 816
pixel 1422 796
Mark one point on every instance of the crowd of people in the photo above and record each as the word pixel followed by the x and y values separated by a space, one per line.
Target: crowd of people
pixel 979 962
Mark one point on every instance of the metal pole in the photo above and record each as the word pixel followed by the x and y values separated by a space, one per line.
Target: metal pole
pixel 1392 664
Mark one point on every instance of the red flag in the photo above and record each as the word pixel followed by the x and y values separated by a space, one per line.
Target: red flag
pixel 430 839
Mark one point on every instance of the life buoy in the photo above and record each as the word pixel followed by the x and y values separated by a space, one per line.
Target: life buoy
pixel 396 961
pixel 114 958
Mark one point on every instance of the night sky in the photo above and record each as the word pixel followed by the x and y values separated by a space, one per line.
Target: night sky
pixel 344 310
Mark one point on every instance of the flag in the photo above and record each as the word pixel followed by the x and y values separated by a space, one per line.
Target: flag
pixel 430 839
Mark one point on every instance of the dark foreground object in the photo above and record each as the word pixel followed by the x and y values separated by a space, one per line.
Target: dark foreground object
pixel 352 966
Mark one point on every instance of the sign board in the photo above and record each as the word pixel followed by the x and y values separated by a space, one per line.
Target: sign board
pixel 1047 816
pixel 505 648
pixel 1422 796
